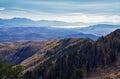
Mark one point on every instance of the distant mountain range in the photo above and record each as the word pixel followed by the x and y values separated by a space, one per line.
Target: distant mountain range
pixel 99 29
pixel 24 22
pixel 39 33
pixel 25 29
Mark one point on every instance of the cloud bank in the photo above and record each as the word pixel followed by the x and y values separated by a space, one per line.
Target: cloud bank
pixel 87 12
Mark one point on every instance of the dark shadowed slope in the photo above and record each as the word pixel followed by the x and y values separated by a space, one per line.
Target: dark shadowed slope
pixel 77 58
pixel 17 52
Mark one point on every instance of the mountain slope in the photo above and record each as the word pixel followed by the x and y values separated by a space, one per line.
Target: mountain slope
pixel 17 52
pixel 53 50
pixel 81 58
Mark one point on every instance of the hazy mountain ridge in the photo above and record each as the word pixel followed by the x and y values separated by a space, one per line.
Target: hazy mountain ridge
pixel 24 22
pixel 38 33
pixel 98 29
pixel 82 35
pixel 17 29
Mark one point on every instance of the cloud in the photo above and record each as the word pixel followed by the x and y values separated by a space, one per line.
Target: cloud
pixel 65 6
pixel 2 8
pixel 85 18
pixel 85 11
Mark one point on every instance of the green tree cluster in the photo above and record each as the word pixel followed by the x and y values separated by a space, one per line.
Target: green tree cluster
pixel 8 71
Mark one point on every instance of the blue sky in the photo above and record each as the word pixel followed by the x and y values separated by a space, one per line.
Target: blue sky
pixel 85 11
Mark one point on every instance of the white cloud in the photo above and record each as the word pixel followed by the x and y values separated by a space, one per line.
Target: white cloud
pixel 84 19
pixel 2 8
pixel 91 19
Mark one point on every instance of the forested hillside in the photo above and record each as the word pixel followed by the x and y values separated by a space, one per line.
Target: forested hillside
pixel 8 71
pixel 85 59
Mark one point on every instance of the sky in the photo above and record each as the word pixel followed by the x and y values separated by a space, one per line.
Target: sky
pixel 84 11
